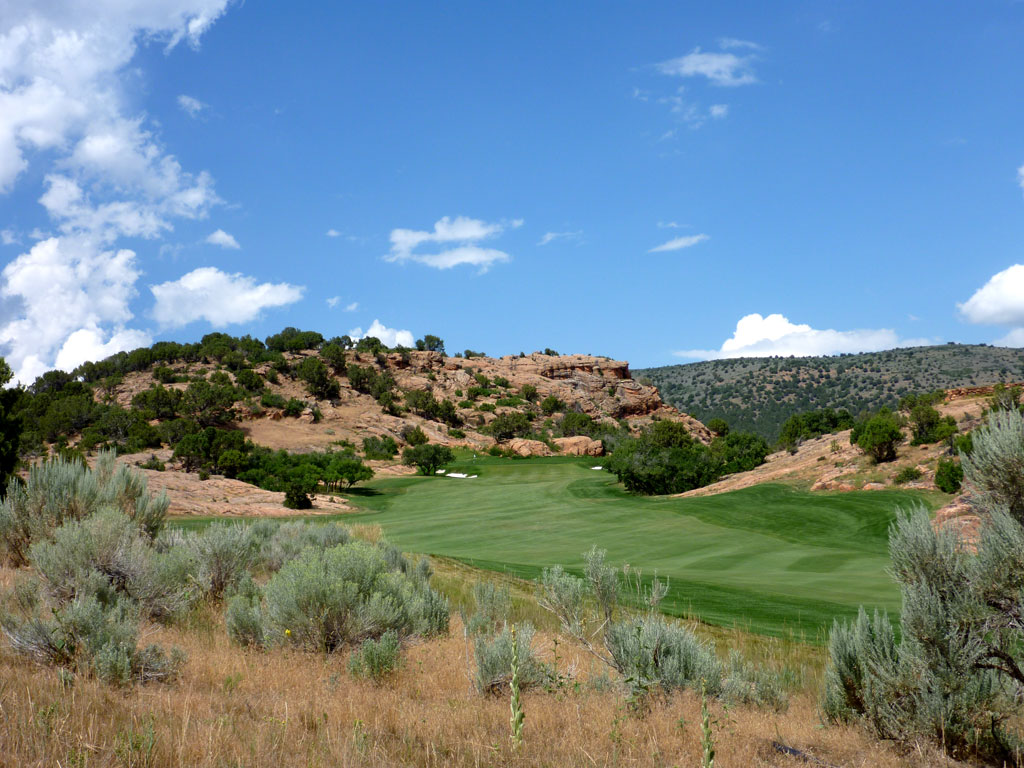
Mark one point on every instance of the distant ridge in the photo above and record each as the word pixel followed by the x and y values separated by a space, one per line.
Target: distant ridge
pixel 758 394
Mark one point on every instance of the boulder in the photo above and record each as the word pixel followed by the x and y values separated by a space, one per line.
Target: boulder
pixel 580 445
pixel 524 447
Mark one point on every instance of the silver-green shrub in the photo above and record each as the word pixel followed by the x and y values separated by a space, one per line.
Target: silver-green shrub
pixel 994 470
pixel 941 681
pixel 650 648
pixel 493 655
pixel 326 599
pixel 376 659
pixel 58 491
pixel 106 556
pixel 90 637
pixel 492 608
pixel 287 540
pixel 223 552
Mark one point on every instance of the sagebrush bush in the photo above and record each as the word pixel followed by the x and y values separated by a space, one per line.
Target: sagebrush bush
pixel 106 556
pixel 492 608
pixel 223 552
pixel 91 638
pixel 244 620
pixel 326 599
pixel 58 490
pixel 493 654
pixel 376 659
pixel 995 466
pixel 668 654
pixel 287 540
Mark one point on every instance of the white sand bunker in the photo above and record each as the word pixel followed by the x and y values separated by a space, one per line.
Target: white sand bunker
pixel 597 467
pixel 461 475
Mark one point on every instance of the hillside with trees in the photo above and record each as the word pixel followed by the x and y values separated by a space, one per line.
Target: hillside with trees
pixel 759 394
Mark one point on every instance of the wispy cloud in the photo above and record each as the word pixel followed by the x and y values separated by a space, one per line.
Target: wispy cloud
pixel 724 69
pixel 9 237
pixel 352 307
pixel 462 232
pixel 190 105
pixel 679 243
pixel 731 43
pixel 550 237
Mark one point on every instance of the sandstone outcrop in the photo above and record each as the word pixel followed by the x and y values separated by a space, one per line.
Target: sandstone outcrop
pixel 581 445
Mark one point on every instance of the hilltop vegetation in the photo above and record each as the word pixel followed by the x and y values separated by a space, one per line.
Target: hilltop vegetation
pixel 760 394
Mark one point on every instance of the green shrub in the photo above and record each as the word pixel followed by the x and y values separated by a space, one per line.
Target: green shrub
pixel 379 447
pixel 456 433
pixel 376 659
pixel 949 476
pixel 508 425
pixel 414 435
pixel 270 399
pixel 907 475
pixel 244 620
pixel 428 458
pixel 294 407
pixel 878 435
pixel 551 405
pixel 529 392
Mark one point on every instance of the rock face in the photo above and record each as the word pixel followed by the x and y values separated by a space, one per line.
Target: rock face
pixel 960 516
pixel 580 445
pixel 528 447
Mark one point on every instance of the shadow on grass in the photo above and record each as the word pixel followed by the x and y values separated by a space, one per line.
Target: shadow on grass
pixel 364 492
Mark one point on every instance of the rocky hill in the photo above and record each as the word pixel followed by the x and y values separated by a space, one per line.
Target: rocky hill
pixel 599 387
pixel 759 394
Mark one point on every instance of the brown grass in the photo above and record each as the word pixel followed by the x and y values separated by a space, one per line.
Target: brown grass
pixel 234 707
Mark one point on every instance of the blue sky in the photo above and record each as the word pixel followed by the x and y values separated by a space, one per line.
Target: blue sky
pixel 656 182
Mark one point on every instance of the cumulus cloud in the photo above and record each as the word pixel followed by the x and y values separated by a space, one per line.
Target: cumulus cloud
pixel 190 105
pixel 108 175
pixel 678 243
pixel 550 237
pixel 775 335
pixel 218 297
pixel 70 295
pixel 223 239
pixel 724 69
pixel 1000 302
pixel 391 337
pixel 463 232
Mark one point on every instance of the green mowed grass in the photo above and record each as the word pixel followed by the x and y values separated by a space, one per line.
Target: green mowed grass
pixel 769 558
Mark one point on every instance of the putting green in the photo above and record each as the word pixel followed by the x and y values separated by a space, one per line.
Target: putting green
pixel 769 559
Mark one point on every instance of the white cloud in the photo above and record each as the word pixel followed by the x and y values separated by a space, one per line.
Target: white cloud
pixel 190 105
pixel 352 307
pixel 64 286
pixel 719 111
pixel 8 237
pixel 668 225
pixel 550 237
pixel 758 336
pixel 1000 301
pixel 391 337
pixel 463 230
pixel 217 297
pixel 87 344
pixel 333 301
pixel 725 69
pixel 333 232
pixel 223 239
pixel 679 243
pixel 1020 176
pixel 729 43
pixel 106 174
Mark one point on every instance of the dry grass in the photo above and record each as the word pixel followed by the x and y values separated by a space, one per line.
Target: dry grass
pixel 233 707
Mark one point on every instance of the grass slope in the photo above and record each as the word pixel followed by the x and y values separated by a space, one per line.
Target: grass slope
pixel 759 394
pixel 769 558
